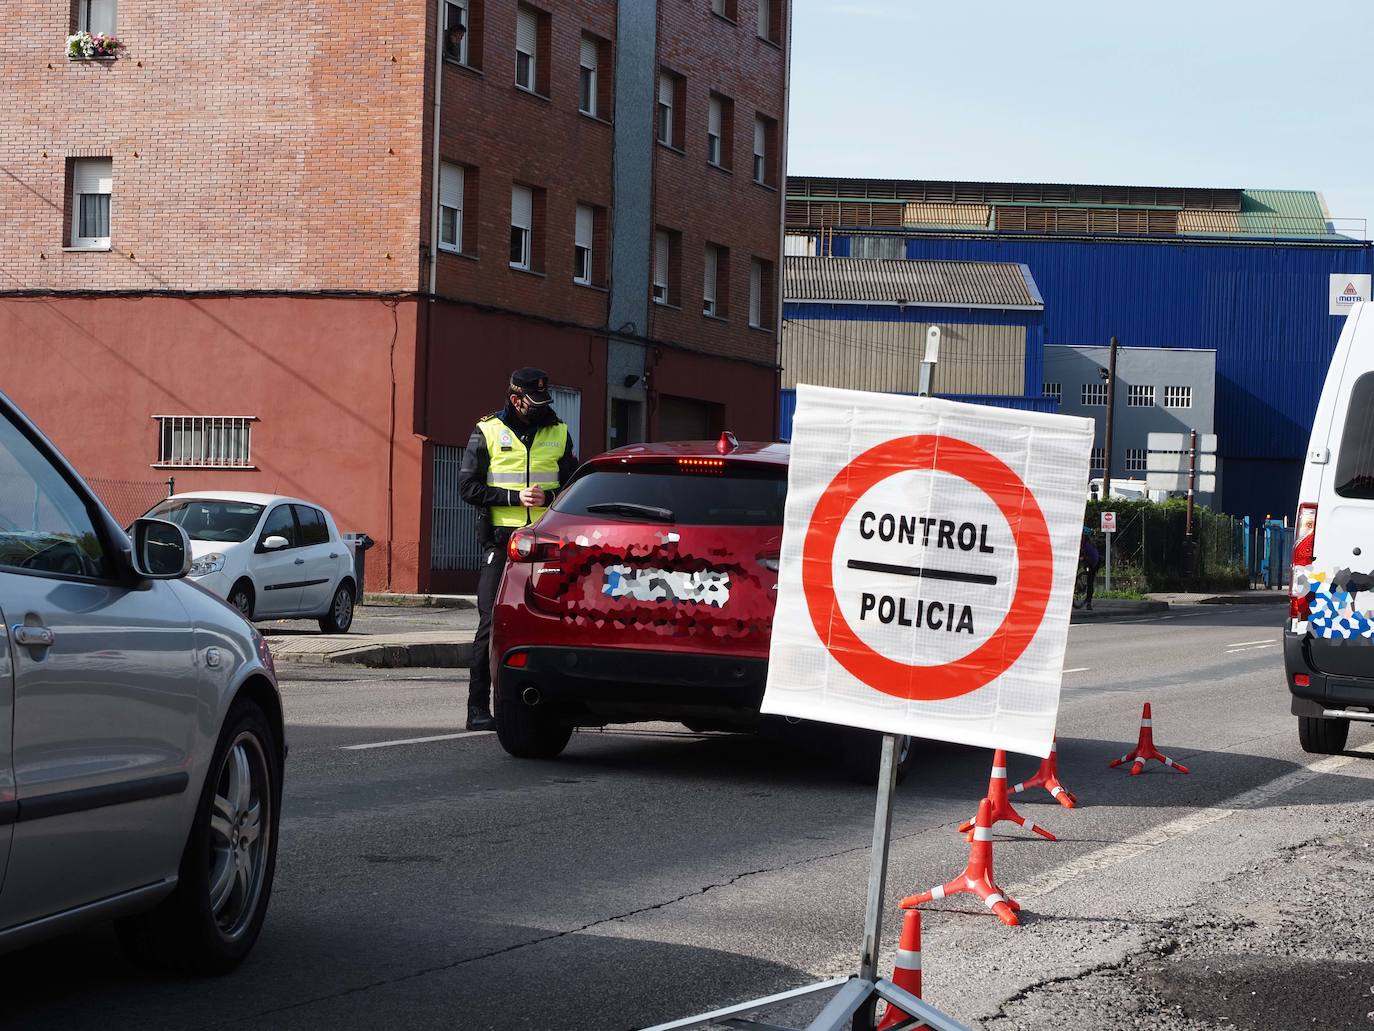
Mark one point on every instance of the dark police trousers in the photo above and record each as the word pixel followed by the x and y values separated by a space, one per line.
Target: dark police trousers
pixel 493 559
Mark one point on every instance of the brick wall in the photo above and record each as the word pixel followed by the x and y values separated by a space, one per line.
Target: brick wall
pixel 255 145
pixel 513 136
pixel 704 203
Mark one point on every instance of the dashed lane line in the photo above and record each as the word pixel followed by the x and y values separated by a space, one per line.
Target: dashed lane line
pixel 1145 841
pixel 415 740
pixel 1078 669
pixel 1246 644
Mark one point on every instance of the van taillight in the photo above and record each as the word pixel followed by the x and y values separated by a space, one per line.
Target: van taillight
pixel 1304 537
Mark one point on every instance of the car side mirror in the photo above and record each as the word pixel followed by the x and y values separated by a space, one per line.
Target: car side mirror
pixel 274 543
pixel 162 551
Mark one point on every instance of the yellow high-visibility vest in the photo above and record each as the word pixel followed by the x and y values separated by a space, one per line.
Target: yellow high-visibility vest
pixel 512 466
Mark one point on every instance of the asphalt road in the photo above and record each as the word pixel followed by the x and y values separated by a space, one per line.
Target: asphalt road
pixel 650 873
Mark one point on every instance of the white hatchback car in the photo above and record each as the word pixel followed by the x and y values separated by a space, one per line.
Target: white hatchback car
pixel 269 556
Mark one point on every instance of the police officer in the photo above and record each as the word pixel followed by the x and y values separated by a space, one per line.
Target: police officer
pixel 516 461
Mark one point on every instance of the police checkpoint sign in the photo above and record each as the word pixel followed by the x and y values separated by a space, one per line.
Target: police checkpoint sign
pixel 926 576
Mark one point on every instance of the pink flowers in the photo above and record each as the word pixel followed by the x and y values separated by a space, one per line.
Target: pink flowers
pixel 84 45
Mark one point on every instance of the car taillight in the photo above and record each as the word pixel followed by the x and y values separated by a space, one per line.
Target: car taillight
pixel 1304 539
pixel 528 546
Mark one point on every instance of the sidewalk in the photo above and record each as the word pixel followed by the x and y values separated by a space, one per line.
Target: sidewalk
pixel 444 650
pixel 1260 597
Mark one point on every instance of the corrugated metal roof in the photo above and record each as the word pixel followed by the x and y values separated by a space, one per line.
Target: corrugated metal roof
pixel 946 215
pixel 955 284
pixel 1282 213
pixel 1190 221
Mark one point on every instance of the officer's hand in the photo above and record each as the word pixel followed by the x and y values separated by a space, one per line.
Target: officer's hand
pixel 532 497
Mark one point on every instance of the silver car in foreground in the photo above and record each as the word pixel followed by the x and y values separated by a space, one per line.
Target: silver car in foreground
pixel 141 743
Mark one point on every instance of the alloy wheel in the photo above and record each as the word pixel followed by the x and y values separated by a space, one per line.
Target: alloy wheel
pixel 240 832
pixel 343 608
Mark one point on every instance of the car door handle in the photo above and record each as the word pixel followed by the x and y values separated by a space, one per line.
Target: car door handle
pixel 300 561
pixel 33 636
pixel 335 554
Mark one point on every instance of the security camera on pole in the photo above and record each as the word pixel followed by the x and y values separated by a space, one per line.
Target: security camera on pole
pixel 929 551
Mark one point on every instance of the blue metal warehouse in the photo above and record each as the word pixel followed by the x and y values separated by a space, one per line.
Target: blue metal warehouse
pixel 1253 274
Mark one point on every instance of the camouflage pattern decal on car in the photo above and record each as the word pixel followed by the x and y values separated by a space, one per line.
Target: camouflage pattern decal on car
pixel 1330 600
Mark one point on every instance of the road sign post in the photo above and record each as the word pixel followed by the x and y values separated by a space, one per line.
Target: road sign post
pixel 929 551
pixel 1108 528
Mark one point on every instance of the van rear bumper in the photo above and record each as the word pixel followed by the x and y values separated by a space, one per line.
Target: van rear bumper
pixel 1323 690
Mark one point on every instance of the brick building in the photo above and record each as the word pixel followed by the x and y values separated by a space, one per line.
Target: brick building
pixel 216 260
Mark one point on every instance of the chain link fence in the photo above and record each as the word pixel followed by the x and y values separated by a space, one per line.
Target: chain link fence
pixel 1148 547
pixel 129 499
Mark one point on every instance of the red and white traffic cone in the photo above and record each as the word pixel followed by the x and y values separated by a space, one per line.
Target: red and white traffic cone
pixel 1145 748
pixel 1047 777
pixel 977 876
pixel 1001 805
pixel 906 970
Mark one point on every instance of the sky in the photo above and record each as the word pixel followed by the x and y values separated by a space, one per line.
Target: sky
pixel 1213 93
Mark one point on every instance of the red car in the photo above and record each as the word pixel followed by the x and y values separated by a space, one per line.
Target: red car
pixel 646 592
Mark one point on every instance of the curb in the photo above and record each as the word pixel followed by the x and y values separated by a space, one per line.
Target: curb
pixel 452 655
pixel 1137 608
pixel 1257 598
pixel 421 601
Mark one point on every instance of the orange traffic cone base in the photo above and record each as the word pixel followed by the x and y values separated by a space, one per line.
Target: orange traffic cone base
pixel 1002 808
pixel 1047 777
pixel 1145 749
pixel 977 878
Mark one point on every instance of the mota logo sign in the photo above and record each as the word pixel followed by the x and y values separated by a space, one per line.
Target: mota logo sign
pixel 1347 290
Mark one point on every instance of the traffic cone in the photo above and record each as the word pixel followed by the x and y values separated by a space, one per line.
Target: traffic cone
pixel 977 876
pixel 906 970
pixel 1001 805
pixel 1047 777
pixel 1145 748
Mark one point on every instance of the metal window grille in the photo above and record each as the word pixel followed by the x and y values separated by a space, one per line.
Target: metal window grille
pixel 1094 394
pixel 453 533
pixel 1054 390
pixel 1178 397
pixel 206 441
pixel 1099 459
pixel 1138 396
pixel 1135 460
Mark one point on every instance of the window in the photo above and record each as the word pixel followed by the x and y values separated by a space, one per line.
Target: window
pixel 770 20
pixel 1099 459
pixel 582 244
pixel 716 282
pixel 586 96
pixel 451 207
pixel 531 46
pixel 280 523
pixel 1135 459
pixel 1140 396
pixel 1094 395
pixel 227 521
pixel 92 182
pixel 666 96
pixel 667 263
pixel 205 441
pixel 1053 390
pixel 313 528
pixel 97 16
pixel 1178 397
pixel 877 247
pixel 521 227
pixel 1355 459
pixel 756 494
pixel 720 131
pixel 765 145
pixel 726 8
pixel 760 293
pixel 456 16
pixel 49 528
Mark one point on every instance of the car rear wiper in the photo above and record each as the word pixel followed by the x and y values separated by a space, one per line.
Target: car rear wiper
pixel 663 515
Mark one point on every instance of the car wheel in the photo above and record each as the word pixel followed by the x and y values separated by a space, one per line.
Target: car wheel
pixel 241 597
pixel 528 731
pixel 340 615
pixel 210 922
pixel 1322 736
pixel 862 755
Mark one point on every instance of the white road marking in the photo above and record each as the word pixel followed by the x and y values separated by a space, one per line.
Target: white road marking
pixel 1143 842
pixel 415 740
pixel 1078 669
pixel 1242 644
pixel 1251 648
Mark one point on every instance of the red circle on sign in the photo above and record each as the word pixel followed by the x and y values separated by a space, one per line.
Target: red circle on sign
pixel 1034 567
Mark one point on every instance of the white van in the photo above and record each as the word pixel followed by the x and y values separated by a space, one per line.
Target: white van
pixel 1328 644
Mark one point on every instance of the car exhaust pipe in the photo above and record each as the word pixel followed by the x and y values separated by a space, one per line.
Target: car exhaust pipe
pixel 531 696
pixel 1348 714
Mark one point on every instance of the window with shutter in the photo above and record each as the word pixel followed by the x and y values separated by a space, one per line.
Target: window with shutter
pixel 582 244
pixel 526 47
pixel 451 207
pixel 755 293
pixel 709 285
pixel 713 132
pixel 92 182
pixel 760 153
pixel 662 254
pixel 665 108
pixel 586 102
pixel 521 226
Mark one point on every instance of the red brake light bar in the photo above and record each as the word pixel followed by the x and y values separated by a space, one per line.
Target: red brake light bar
pixel 701 465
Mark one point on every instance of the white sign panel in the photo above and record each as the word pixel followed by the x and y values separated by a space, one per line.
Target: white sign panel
pixel 1174 462
pixel 1206 482
pixel 1348 290
pixel 928 556
pixel 1109 522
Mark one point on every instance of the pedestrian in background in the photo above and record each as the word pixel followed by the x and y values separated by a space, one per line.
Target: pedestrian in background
pixel 1089 556
pixel 516 461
